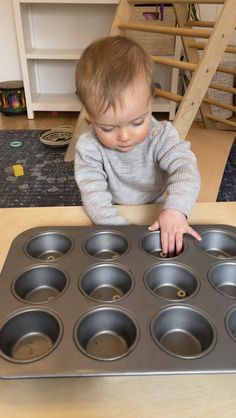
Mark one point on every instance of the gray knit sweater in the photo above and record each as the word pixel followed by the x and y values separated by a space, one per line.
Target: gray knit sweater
pixel 161 163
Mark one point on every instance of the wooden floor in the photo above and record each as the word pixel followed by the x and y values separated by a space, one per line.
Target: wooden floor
pixel 42 120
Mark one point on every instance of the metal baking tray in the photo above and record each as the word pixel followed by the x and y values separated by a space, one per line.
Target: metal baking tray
pixel 105 301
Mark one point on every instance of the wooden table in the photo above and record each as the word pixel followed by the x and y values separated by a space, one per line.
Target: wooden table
pixel 190 396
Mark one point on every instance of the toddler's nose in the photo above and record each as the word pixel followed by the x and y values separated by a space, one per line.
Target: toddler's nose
pixel 123 135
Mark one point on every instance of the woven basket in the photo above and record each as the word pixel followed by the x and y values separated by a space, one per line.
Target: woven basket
pixel 154 43
pixel 59 136
pixel 229 60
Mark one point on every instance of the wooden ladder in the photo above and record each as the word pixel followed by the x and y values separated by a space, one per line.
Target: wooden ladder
pixel 201 68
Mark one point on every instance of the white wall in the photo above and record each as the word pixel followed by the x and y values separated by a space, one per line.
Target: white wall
pixel 10 68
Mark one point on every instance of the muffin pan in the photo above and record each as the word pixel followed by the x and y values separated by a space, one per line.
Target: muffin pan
pixel 102 300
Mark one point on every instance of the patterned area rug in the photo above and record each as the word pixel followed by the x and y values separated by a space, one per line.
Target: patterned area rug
pixel 227 190
pixel 49 181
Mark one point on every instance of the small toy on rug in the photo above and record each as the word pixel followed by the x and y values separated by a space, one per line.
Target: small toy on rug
pixel 18 170
pixel 15 144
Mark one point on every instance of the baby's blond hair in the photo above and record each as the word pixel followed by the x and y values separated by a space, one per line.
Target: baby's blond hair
pixel 107 67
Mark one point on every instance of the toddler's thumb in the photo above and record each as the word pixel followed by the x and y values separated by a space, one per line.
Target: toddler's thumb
pixel 154 226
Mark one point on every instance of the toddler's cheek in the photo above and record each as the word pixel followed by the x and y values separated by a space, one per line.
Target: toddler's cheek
pixel 143 133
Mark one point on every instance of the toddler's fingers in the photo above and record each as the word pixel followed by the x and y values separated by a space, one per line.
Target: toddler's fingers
pixel 154 227
pixel 171 245
pixel 178 242
pixel 194 233
pixel 164 242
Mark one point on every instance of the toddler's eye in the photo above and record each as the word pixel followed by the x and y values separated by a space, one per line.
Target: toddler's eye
pixel 138 122
pixel 106 129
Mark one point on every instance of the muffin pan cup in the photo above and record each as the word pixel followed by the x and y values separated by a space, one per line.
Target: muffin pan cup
pixel 105 301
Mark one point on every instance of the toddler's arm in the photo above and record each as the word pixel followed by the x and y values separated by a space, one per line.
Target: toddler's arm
pixel 92 182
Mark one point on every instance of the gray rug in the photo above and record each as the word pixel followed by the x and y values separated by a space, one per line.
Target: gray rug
pixel 47 180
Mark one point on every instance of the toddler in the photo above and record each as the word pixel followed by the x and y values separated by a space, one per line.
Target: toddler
pixel 126 156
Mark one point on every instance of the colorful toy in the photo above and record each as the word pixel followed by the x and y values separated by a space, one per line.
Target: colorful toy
pixel 15 144
pixel 18 170
pixel 12 98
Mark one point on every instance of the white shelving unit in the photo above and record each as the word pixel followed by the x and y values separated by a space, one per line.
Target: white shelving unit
pixel 51 36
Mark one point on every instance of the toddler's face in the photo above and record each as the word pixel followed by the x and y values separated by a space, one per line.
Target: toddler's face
pixel 129 123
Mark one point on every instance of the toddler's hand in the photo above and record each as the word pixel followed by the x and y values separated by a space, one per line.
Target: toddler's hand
pixel 172 224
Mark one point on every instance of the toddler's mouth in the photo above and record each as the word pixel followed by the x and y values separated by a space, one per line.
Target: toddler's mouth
pixel 125 147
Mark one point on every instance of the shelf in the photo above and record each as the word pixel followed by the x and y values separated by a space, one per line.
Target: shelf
pixel 55 102
pixel 59 54
pixel 161 105
pixel 68 1
pixel 53 54
pixel 70 102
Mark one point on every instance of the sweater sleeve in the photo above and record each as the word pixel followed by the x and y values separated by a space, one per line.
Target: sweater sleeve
pixel 183 178
pixel 92 182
